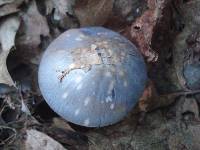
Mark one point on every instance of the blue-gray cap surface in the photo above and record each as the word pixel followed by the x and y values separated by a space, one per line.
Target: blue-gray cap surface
pixel 92 76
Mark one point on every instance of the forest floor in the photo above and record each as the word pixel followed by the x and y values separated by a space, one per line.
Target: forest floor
pixel 166 32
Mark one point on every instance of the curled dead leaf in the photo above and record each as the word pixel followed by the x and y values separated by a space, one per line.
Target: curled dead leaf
pixel 8 9
pixel 37 140
pixel 61 14
pixel 61 7
pixel 142 31
pixel 34 26
pixel 93 12
pixel 8 29
pixel 3 2
pixel 33 30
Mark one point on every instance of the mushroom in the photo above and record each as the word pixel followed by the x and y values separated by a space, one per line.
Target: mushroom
pixel 92 76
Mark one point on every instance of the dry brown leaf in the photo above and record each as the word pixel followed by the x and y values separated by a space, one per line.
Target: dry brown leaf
pixel 49 6
pixel 62 13
pixel 62 124
pixel 37 140
pixel 143 31
pixel 33 29
pixel 188 139
pixel 8 30
pixel 61 7
pixel 187 105
pixel 193 132
pixel 34 25
pixel 182 49
pixel 16 2
pixel 148 98
pixel 2 2
pixel 8 9
pixel 93 12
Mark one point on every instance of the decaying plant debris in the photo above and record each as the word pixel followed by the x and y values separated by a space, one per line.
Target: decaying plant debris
pixel 167 34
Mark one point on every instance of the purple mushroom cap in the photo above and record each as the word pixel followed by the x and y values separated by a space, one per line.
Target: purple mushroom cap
pixel 92 76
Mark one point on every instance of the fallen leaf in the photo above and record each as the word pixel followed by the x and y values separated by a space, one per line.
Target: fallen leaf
pixel 3 2
pixel 148 98
pixel 62 13
pixel 7 135
pixel 32 34
pixel 93 12
pixel 16 2
pixel 187 139
pixel 123 13
pixel 8 29
pixel 67 137
pixel 192 136
pixel 8 9
pixel 187 106
pixel 49 6
pixel 37 140
pixel 142 31
pixel 61 7
pixel 151 99
pixel 62 124
pixel 183 49
pixel 34 26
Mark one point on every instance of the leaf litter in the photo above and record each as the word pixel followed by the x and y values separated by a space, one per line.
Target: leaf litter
pixel 167 115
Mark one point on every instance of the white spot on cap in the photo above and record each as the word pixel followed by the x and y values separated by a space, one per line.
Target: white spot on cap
pixel 77 112
pixel 123 54
pixel 82 35
pixel 117 38
pixel 112 69
pixel 65 95
pixel 108 74
pixel 68 35
pixel 108 99
pixel 112 106
pixel 78 39
pixel 121 73
pixel 78 79
pixel 125 83
pixel 102 33
pixel 86 101
pixel 61 51
pixel 111 86
pixel 86 122
pixel 79 86
pixel 102 102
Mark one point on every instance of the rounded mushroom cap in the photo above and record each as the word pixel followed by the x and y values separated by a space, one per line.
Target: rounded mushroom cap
pixel 92 76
